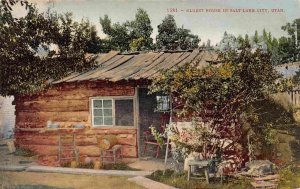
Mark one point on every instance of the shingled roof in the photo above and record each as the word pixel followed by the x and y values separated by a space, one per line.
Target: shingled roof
pixel 114 66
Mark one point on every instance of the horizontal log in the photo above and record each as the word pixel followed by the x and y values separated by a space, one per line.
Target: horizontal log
pixel 129 151
pixel 28 125
pixel 80 94
pixel 54 140
pixel 66 124
pixel 84 132
pixel 38 140
pixel 39 117
pixel 64 89
pixel 81 140
pixel 53 106
pixel 111 131
pixel 48 160
pixel 91 150
pixel 42 150
pixel 86 140
pixel 127 139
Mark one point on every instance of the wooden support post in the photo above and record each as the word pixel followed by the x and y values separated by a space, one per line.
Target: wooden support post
pixel 59 148
pixel 206 175
pixel 136 120
pixel 189 172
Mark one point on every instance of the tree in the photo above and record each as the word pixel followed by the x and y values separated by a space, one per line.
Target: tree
pixel 265 35
pixel 27 60
pixel 132 35
pixel 228 43
pixel 118 34
pixel 256 37
pixel 289 48
pixel 286 50
pixel 208 45
pixel 217 99
pixel 186 40
pixel 296 78
pixel 170 37
pixel 247 41
pixel 94 43
pixel 240 41
pixel 167 33
pixel 141 31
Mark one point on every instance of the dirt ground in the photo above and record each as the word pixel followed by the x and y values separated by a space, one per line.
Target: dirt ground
pixel 65 180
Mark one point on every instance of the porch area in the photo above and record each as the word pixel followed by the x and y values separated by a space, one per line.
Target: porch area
pixel 153 111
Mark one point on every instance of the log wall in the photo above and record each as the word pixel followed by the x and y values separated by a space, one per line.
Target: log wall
pixel 68 104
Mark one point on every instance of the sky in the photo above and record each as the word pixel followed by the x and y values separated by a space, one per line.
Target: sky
pixel 207 23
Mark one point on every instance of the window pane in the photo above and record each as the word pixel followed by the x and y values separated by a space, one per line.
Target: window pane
pixel 108 121
pixel 98 120
pixel 107 112
pixel 107 103
pixel 124 112
pixel 97 103
pixel 162 103
pixel 98 112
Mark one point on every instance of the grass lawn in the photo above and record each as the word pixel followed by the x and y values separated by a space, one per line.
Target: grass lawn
pixel 180 181
pixel 26 180
pixel 288 180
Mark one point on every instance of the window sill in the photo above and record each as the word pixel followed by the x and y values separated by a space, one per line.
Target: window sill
pixel 112 127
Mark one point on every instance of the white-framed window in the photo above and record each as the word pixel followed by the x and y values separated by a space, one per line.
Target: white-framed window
pixel 112 112
pixel 162 103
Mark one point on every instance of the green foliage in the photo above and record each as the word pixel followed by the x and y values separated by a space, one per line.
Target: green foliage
pixel 167 33
pixel 132 35
pixel 119 166
pixel 170 37
pixel 286 50
pixel 141 31
pixel 27 61
pixel 159 137
pixel 296 78
pixel 282 50
pixel 267 117
pixel 118 34
pixel 106 166
pixel 218 98
pixel 255 37
pixel 289 177
pixel 229 42
pixel 289 48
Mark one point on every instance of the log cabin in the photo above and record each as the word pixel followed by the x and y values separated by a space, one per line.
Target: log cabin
pixel 111 99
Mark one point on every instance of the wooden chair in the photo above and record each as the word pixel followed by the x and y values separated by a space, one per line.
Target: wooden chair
pixel 67 143
pixel 200 164
pixel 150 140
pixel 114 153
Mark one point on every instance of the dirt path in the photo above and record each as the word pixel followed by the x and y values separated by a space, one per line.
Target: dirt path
pixel 65 180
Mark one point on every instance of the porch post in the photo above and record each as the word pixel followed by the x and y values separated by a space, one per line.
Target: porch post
pixel 136 119
pixel 168 140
